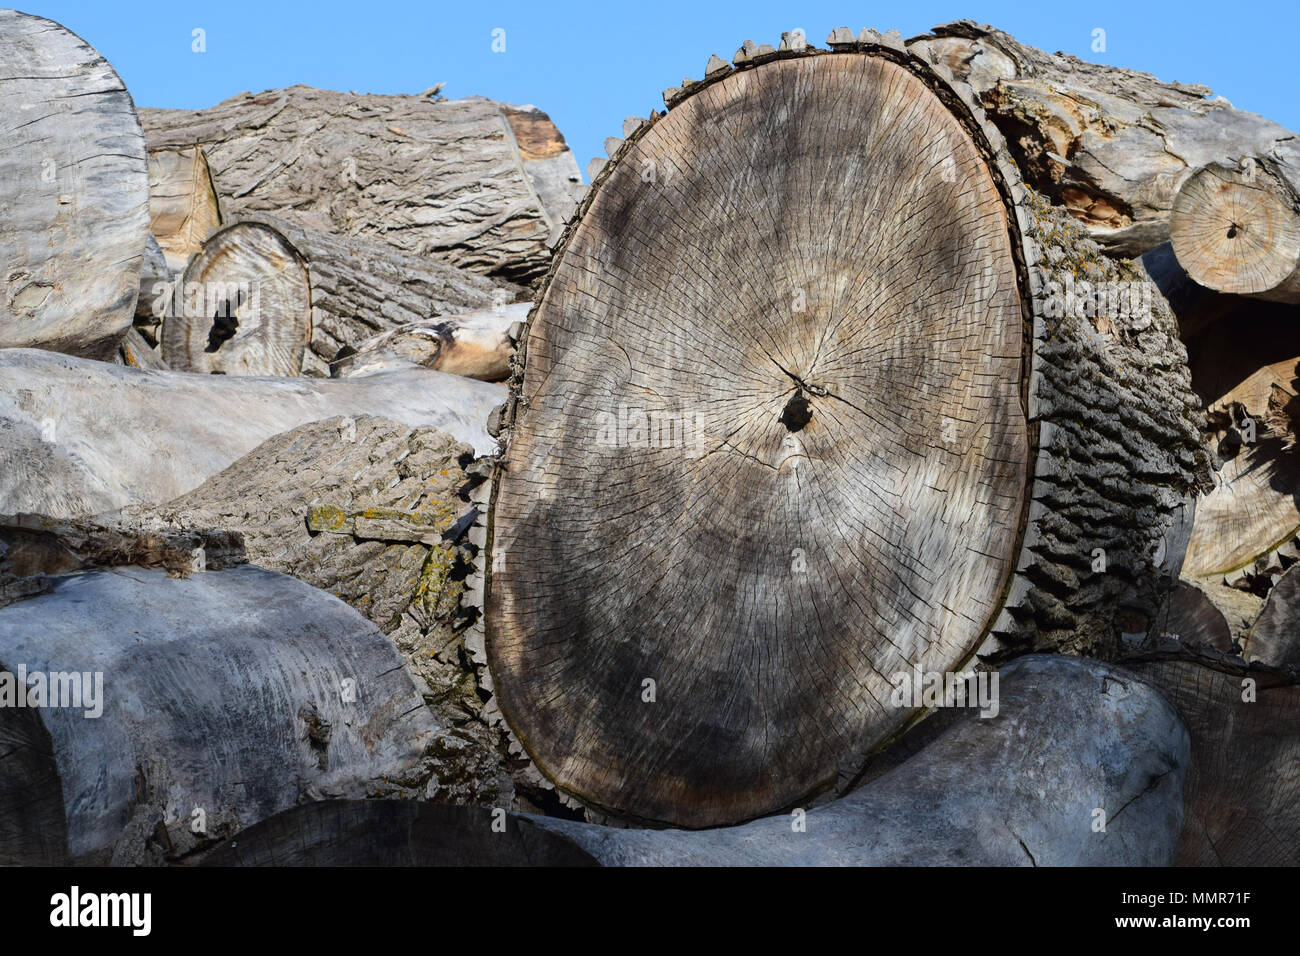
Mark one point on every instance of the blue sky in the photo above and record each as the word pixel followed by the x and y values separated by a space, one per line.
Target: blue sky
pixel 591 64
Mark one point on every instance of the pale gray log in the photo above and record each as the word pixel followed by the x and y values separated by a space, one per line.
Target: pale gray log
pixel 1113 145
pixel 225 692
pixel 430 177
pixel 303 294
pixel 74 188
pixel 80 437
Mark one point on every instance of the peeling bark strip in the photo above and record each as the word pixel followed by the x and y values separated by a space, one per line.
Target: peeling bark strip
pixel 233 693
pixel 1112 145
pixel 869 390
pixel 428 177
pixel 269 296
pixel 74 188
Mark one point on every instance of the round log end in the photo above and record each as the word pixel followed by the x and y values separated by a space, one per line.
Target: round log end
pixel 771 448
pixel 1234 231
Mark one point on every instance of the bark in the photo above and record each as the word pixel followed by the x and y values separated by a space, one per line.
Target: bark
pixel 885 453
pixel 1237 229
pixel 226 697
pixel 479 184
pixel 82 438
pixel 184 208
pixel 272 297
pixel 1114 146
pixel 389 540
pixel 474 344
pixel 75 190
pixel 1110 744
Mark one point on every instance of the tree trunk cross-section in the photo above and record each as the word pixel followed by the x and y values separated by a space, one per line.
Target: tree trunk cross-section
pixel 771 437
pixel 1238 230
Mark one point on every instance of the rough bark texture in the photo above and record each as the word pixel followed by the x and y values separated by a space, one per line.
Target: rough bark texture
pixel 852 487
pixel 183 205
pixel 238 693
pixel 272 297
pixel 1107 741
pixel 474 344
pixel 430 177
pixel 1112 145
pixel 74 189
pixel 81 437
pixel 376 514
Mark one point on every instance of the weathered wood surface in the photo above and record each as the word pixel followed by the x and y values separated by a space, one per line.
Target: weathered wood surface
pixel 234 693
pixel 375 513
pixel 184 208
pixel 831 475
pixel 1237 229
pixel 1112 145
pixel 1107 742
pixel 473 344
pixel 1242 792
pixel 444 178
pixel 80 437
pixel 74 189
pixel 1274 638
pixel 272 297
pixel 1246 370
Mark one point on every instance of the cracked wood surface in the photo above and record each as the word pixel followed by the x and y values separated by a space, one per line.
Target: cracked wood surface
pixel 81 437
pixel 820 230
pixel 441 178
pixel 1112 145
pixel 281 298
pixel 74 188
pixel 224 691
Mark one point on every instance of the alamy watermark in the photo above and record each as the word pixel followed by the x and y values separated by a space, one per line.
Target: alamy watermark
pixel 917 688
pixel 77 690
pixel 635 427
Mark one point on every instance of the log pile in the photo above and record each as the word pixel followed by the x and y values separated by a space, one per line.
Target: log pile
pixel 457 515
pixel 479 184
pixel 272 297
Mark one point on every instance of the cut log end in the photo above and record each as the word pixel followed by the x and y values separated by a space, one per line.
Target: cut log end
pixel 244 307
pixel 825 441
pixel 1237 231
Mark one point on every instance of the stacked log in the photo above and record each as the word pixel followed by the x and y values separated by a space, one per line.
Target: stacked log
pixel 879 455
pixel 390 541
pixel 1237 229
pixel 272 297
pixel 1112 751
pixel 75 189
pixel 478 184
pixel 80 437
pixel 184 208
pixel 234 695
pixel 1114 146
